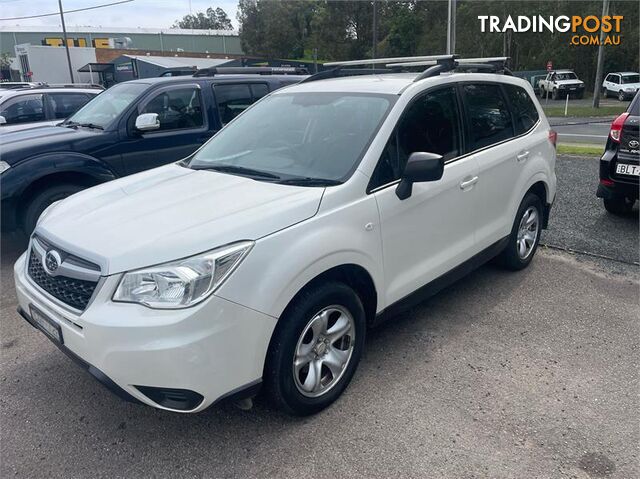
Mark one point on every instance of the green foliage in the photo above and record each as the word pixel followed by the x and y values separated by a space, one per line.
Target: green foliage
pixel 212 19
pixel 343 30
pixel 5 60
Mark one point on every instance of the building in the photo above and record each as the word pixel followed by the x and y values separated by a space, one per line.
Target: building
pixel 49 64
pixel 156 39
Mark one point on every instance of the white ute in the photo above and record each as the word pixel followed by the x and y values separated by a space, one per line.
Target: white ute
pixel 262 259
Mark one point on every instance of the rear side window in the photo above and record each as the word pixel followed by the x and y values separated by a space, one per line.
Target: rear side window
pixel 23 109
pixel 525 114
pixel 64 105
pixel 235 98
pixel 177 109
pixel 487 113
pixel 430 124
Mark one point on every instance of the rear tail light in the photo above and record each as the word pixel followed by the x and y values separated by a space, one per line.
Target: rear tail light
pixel 553 137
pixel 606 182
pixel 616 127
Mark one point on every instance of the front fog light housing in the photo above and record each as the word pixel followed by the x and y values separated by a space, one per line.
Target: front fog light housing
pixel 181 283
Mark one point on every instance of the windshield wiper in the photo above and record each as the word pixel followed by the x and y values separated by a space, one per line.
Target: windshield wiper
pixel 241 170
pixel 308 181
pixel 90 125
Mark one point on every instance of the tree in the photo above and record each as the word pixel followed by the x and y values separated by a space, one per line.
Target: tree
pixel 212 19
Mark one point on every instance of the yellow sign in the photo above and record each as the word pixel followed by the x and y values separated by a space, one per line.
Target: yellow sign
pixel 76 42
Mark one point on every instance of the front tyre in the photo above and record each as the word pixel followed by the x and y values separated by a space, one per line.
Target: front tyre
pixel 42 200
pixel 621 96
pixel 524 236
pixel 315 349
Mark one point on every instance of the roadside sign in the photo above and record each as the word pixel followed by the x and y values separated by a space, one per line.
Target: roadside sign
pixel 549 66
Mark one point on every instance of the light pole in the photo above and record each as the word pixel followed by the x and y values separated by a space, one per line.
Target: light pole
pixel 600 64
pixel 451 28
pixel 375 32
pixel 66 43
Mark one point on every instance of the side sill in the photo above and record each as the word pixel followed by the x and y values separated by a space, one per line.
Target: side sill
pixel 438 284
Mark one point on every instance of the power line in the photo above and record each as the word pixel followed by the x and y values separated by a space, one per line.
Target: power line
pixel 67 11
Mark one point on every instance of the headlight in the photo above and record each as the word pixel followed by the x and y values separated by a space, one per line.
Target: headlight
pixel 181 283
pixel 4 166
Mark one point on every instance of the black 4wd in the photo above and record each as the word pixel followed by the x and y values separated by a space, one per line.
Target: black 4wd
pixel 131 127
pixel 619 167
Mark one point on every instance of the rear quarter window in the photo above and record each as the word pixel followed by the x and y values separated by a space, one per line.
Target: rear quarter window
pixel 525 113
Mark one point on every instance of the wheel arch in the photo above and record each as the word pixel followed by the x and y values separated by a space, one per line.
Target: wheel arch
pixel 58 169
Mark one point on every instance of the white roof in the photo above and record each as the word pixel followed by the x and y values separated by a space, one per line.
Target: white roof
pixel 30 91
pixel 176 62
pixel 625 73
pixel 389 83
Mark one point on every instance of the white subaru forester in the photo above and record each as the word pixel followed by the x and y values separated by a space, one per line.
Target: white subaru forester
pixel 262 259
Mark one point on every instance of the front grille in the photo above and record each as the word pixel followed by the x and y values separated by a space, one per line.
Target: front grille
pixel 74 292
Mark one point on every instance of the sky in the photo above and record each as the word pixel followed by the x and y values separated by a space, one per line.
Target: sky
pixel 138 13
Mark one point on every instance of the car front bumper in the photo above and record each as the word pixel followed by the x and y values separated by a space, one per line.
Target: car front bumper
pixel 180 360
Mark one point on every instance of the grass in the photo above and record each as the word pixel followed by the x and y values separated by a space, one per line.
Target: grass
pixel 585 111
pixel 571 149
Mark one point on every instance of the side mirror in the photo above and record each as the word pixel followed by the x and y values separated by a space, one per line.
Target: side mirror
pixel 147 122
pixel 420 167
pixel 3 120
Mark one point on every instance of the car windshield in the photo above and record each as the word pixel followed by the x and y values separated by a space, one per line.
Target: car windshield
pixel 105 107
pixel 301 137
pixel 631 79
pixel 566 76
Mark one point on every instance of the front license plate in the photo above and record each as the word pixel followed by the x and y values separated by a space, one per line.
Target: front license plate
pixel 46 325
pixel 624 169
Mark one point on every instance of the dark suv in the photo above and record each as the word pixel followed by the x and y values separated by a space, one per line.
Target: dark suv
pixel 131 127
pixel 619 168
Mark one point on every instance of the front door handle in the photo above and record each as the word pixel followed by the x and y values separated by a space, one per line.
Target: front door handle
pixel 464 184
pixel 522 156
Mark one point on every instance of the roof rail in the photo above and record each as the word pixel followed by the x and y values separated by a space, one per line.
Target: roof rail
pixel 437 64
pixel 72 85
pixel 213 71
pixel 380 61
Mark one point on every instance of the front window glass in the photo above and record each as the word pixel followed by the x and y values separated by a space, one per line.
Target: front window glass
pixel 177 109
pixel 566 76
pixel 430 124
pixel 23 109
pixel 108 105
pixel 232 100
pixel 65 104
pixel 631 79
pixel 293 136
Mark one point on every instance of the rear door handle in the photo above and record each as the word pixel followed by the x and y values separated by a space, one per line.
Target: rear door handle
pixel 468 183
pixel 522 156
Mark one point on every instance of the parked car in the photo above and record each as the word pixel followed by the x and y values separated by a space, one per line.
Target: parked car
pixel 30 107
pixel 560 83
pixel 131 127
pixel 10 85
pixel 619 168
pixel 535 82
pixel 623 85
pixel 263 258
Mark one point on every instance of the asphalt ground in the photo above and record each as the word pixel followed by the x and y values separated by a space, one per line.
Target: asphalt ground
pixel 504 375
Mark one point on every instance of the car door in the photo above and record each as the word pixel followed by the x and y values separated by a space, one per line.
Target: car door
pixel 606 85
pixel 432 231
pixel 184 127
pixel 500 158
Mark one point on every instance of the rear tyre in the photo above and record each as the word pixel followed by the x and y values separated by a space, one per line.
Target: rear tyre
pixel 525 235
pixel 42 200
pixel 315 349
pixel 619 206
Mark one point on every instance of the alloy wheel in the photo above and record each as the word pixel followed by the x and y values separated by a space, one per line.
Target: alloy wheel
pixel 323 351
pixel 528 232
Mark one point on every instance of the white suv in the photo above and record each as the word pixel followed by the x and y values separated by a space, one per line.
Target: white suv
pixel 263 258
